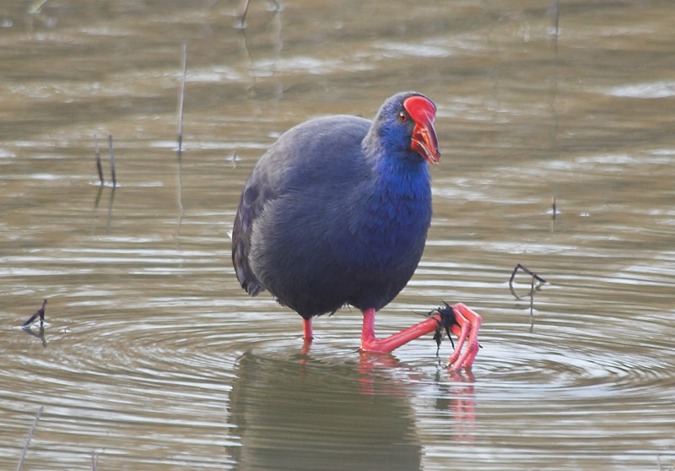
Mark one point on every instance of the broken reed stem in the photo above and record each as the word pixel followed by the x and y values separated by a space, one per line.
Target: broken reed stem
pixel 112 160
pixel 555 13
pixel 181 99
pixel 526 270
pixel 531 304
pixel 99 167
pixel 533 288
pixel 29 438
pixel 39 313
pixel 242 20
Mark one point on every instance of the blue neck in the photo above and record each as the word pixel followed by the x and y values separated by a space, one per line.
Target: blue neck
pixel 404 186
pixel 399 208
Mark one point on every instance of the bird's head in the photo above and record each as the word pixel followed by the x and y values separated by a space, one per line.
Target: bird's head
pixel 406 122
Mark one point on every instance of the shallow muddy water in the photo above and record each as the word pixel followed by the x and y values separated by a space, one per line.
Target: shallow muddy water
pixel 153 357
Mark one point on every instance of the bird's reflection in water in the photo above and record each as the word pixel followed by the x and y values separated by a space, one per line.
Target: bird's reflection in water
pixel 320 414
pixel 295 411
pixel 460 401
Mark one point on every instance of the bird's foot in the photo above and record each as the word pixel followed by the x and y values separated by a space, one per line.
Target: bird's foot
pixel 458 319
pixel 465 324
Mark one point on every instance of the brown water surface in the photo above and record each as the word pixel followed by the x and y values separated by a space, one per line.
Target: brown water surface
pixel 152 357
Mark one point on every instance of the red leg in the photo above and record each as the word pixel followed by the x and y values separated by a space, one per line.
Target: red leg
pixel 306 335
pixel 369 343
pixel 466 327
pixel 307 329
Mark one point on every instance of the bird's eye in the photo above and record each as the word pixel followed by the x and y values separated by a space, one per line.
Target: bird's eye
pixel 402 117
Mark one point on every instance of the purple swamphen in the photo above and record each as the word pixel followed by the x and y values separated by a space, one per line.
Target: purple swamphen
pixel 336 212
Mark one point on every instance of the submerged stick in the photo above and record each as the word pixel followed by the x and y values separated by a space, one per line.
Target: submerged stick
pixel 29 438
pixel 112 160
pixel 181 99
pixel 99 167
pixel 555 14
pixel 526 270
pixel 242 20
pixel 39 313
pixel 533 288
pixel 531 304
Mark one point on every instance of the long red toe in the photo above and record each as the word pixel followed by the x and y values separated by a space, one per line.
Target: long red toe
pixel 466 327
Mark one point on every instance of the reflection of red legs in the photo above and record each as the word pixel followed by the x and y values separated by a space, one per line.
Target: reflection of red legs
pixel 463 405
pixel 368 367
pixel 465 325
pixel 459 399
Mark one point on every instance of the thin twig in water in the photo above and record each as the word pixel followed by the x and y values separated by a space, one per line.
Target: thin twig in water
pixel 112 160
pixel 99 167
pixel 242 21
pixel 94 460
pixel 234 158
pixel 531 273
pixel 555 13
pixel 29 438
pixel 39 313
pixel 531 304
pixel 181 99
pixel 533 288
pixel 110 208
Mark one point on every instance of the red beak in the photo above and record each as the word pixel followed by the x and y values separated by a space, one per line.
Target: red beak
pixel 424 140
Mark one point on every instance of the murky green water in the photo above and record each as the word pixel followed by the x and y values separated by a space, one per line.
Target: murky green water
pixel 153 357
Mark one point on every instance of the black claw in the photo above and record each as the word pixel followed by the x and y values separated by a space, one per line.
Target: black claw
pixel 447 321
